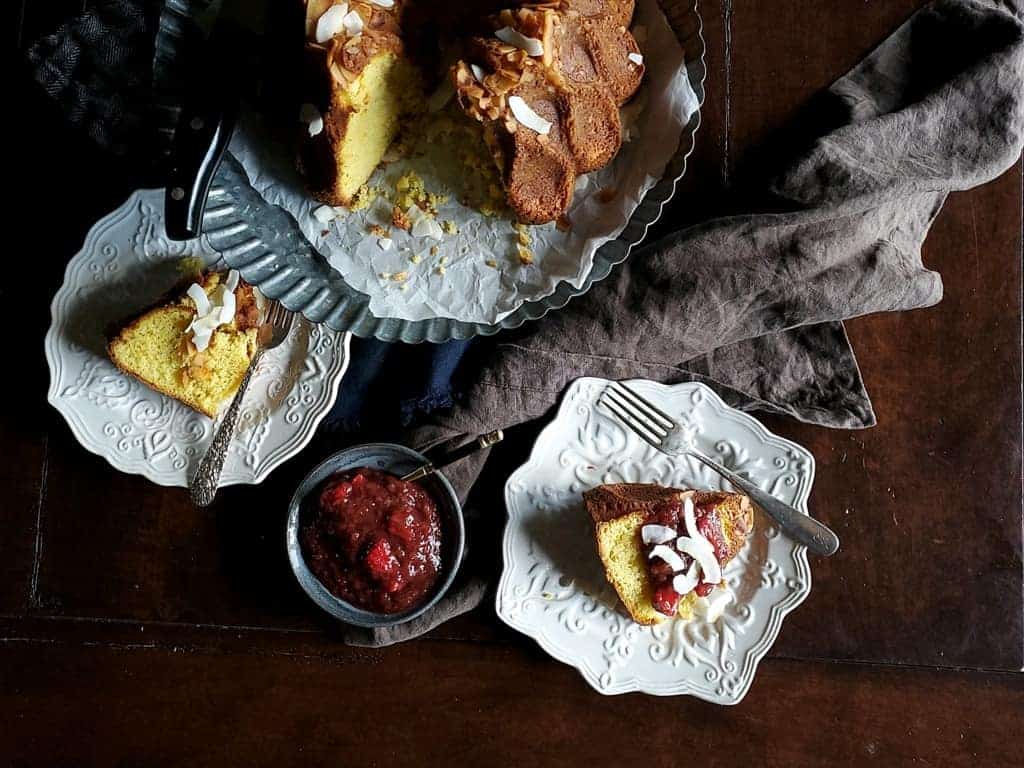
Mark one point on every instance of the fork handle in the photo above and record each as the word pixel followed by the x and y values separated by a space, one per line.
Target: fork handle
pixel 207 478
pixel 803 529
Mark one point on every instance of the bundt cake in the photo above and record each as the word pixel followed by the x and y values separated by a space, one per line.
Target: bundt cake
pixel 545 81
pixel 196 346
pixel 663 549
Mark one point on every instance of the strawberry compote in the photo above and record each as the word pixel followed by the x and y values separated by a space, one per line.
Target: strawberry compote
pixel 670 513
pixel 374 541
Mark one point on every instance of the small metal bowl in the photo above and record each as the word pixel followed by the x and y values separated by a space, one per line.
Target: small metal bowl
pixel 398 460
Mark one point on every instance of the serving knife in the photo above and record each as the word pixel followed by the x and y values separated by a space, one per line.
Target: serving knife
pixel 226 68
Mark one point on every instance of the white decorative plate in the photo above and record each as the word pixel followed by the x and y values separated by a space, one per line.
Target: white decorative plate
pixel 553 587
pixel 128 262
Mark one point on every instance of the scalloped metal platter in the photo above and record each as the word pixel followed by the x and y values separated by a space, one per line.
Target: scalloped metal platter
pixel 264 243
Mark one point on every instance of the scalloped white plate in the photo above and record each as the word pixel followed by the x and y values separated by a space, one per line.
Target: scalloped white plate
pixel 553 586
pixel 127 262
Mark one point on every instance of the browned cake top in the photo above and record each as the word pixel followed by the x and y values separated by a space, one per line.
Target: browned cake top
pixel 576 83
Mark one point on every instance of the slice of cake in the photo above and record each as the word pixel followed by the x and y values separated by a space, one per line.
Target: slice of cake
pixel 360 86
pixel 195 347
pixel 663 549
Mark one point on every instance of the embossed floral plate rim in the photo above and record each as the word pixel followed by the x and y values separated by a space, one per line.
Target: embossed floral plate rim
pixel 554 434
pixel 314 407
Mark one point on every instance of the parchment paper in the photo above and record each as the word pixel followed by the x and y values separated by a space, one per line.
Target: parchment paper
pixel 482 279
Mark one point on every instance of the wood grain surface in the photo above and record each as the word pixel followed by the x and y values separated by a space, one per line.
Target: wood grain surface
pixel 137 630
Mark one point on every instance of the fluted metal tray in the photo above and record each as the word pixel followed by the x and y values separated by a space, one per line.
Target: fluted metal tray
pixel 264 243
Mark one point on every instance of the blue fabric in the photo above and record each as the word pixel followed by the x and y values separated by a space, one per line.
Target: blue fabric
pixel 388 386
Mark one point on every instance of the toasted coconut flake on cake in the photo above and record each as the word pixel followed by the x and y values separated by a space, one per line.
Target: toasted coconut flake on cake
pixel 331 22
pixel 353 23
pixel 310 115
pixel 514 37
pixel 526 116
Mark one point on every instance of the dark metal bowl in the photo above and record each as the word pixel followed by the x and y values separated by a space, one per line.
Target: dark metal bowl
pixel 398 460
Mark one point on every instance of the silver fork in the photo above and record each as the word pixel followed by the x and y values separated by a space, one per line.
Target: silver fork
pixel 204 485
pixel 660 430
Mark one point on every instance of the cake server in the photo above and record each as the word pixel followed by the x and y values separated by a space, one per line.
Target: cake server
pixel 456 454
pixel 656 427
pixel 215 82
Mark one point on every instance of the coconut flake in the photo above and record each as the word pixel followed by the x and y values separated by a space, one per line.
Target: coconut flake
pixel 657 534
pixel 331 22
pixel 712 606
pixel 353 24
pixel 531 45
pixel 199 298
pixel 231 282
pixel 324 214
pixel 478 72
pixel 669 555
pixel 384 3
pixel 684 583
pixel 522 112
pixel 427 228
pixel 636 58
pixel 701 551
pixel 384 243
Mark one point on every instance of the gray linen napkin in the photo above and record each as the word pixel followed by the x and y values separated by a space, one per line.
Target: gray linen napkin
pixel 753 304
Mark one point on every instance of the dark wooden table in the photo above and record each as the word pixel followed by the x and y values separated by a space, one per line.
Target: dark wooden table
pixel 137 630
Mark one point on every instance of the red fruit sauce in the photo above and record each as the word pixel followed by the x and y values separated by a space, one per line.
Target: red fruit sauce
pixel 374 541
pixel 670 513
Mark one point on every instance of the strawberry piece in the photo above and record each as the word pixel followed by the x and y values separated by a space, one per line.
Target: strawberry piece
pixel 703 589
pixel 379 559
pixel 666 600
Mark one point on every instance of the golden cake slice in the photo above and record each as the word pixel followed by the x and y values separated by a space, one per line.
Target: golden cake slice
pixel 633 520
pixel 359 87
pixel 195 353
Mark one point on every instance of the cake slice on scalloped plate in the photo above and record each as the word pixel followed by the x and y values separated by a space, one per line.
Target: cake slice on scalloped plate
pixel 664 549
pixel 194 346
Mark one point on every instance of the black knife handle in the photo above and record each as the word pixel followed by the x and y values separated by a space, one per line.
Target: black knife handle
pixel 203 134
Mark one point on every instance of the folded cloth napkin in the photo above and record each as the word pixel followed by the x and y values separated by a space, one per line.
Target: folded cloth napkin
pixel 752 304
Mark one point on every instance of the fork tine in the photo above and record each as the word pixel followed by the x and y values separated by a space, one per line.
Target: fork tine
pixel 653 412
pixel 651 425
pixel 633 424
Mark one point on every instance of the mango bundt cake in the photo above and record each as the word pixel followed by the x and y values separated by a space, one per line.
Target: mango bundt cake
pixel 544 80
pixel 194 346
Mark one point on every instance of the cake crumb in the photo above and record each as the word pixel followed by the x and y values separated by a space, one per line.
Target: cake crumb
pixel 400 219
pixel 491 263
pixel 440 269
pixel 398 277
pixel 525 255
pixel 379 231
pixel 450 227
pixel 415 259
pixel 363 197
pixel 522 234
pixel 443 261
pixel 433 250
pixel 385 275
